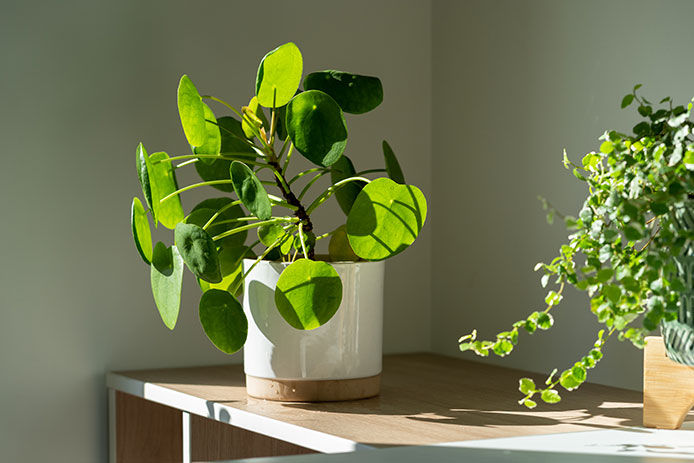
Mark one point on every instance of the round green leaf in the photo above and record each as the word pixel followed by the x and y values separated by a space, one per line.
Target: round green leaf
pixel 198 251
pixel 192 112
pixel 203 211
pixel 385 219
pixel 308 293
pixel 231 142
pixel 279 76
pixel 231 265
pixel 166 276
pixel 223 320
pixel 162 179
pixel 316 125
pixel 339 247
pixel 347 193
pixel 354 93
pixel 392 165
pixel 551 396
pixel 141 232
pixel 144 167
pixel 270 233
pixel 250 191
pixel 213 137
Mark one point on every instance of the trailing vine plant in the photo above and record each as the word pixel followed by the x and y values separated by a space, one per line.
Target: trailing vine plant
pixel 622 246
pixel 245 154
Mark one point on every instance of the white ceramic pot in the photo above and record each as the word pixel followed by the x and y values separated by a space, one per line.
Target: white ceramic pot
pixel 337 361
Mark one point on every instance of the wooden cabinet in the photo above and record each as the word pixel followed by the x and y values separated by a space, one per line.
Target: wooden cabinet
pixel 204 414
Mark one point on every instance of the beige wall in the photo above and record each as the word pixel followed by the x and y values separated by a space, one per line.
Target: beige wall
pixel 82 83
pixel 515 82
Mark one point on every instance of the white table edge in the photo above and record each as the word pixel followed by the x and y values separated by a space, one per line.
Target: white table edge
pixel 297 435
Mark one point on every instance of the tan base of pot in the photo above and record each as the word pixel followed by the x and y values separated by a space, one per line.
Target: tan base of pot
pixel 668 387
pixel 288 390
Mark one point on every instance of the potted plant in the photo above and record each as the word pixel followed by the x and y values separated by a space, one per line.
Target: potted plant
pixel 297 348
pixel 629 248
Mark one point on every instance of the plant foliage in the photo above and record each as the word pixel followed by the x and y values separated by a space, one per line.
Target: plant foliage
pixel 623 244
pixel 243 155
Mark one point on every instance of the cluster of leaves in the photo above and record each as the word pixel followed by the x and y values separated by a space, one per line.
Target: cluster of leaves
pixel 622 247
pixel 243 155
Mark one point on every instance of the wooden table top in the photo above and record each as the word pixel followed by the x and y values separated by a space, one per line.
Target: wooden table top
pixel 425 399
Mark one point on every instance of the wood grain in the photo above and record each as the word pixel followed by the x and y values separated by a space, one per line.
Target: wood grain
pixel 668 387
pixel 425 399
pixel 212 440
pixel 313 391
pixel 147 432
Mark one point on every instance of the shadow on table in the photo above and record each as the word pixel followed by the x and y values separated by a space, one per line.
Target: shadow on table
pixel 484 395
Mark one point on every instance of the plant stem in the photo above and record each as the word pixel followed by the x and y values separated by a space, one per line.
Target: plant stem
pixel 369 171
pixel 214 98
pixel 301 239
pixel 257 261
pixel 306 172
pixel 325 235
pixel 213 156
pixel 219 212
pixel 329 192
pixel 183 164
pixel 289 156
pixel 310 184
pixel 251 226
pixel 195 185
pixel 306 225
pixel 280 202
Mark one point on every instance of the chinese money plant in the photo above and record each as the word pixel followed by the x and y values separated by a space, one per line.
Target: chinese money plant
pixel 243 155
pixel 626 245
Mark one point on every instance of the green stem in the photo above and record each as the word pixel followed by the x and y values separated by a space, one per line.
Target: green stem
pixel 310 184
pixel 251 226
pixel 329 192
pixel 213 156
pixel 244 219
pixel 281 202
pixel 289 156
pixel 325 235
pixel 306 172
pixel 284 147
pixel 369 171
pixel 214 98
pixel 183 164
pixel 257 261
pixel 301 238
pixel 220 211
pixel 195 185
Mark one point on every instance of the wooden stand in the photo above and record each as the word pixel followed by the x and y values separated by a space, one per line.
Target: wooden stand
pixel 313 391
pixel 668 387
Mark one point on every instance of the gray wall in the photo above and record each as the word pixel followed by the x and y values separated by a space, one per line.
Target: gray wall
pixel 515 82
pixel 83 82
pixel 481 98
